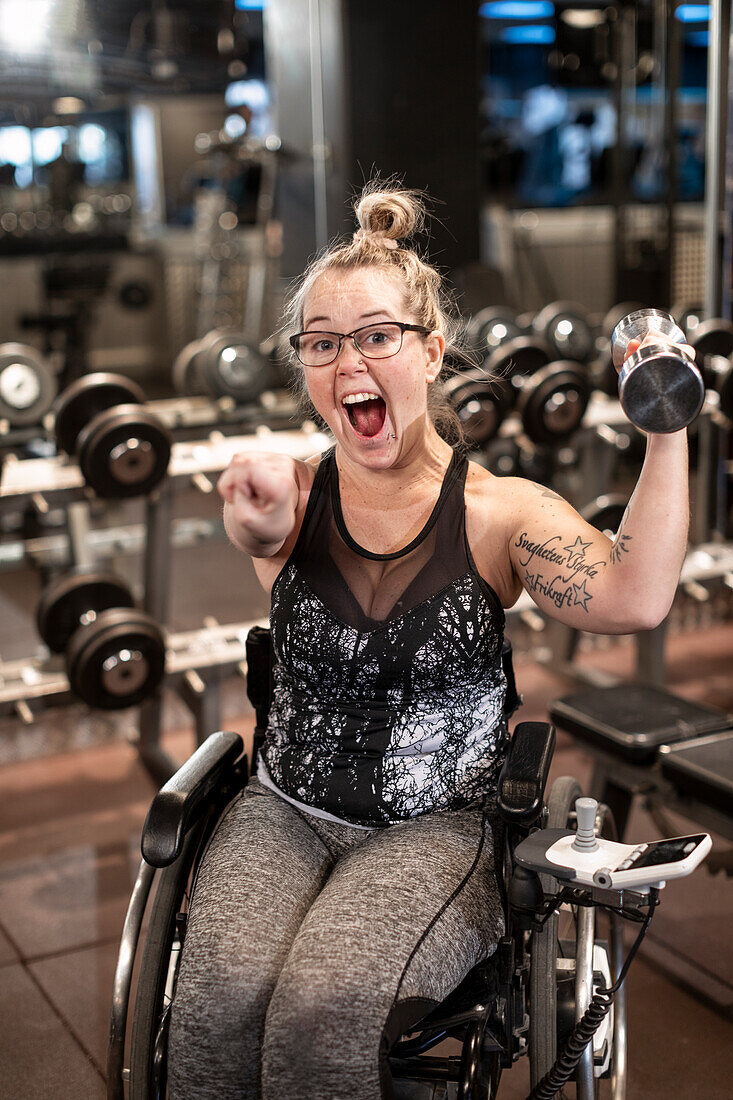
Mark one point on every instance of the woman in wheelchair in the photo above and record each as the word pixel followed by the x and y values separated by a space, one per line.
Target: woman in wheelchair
pixel 351 885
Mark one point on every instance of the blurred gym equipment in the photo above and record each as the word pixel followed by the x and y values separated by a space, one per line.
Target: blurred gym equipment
pixel 123 449
pixel 566 326
pixel 28 384
pixel 481 402
pixel 114 653
pixel 491 327
pixel 223 363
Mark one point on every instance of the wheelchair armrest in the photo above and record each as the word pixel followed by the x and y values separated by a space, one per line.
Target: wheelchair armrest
pixel 181 801
pixel 524 774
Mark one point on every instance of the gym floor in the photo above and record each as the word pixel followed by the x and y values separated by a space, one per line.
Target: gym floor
pixel 74 796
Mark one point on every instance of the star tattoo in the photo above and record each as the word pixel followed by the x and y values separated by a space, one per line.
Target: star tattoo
pixel 578 548
pixel 582 595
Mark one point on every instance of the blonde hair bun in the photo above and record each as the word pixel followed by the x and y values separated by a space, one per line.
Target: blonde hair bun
pixel 389 212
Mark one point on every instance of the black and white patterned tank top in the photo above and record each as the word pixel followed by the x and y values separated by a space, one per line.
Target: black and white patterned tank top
pixel 389 690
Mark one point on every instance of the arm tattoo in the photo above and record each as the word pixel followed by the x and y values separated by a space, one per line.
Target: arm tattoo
pixel 562 596
pixel 569 587
pixel 620 542
pixel 546 491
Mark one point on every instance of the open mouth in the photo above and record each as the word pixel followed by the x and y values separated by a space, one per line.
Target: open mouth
pixel 366 412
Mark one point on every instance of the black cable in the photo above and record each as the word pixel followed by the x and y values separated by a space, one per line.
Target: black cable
pixel 590 1021
pixel 570 895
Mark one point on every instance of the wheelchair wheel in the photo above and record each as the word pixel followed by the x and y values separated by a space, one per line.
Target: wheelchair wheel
pixel 542 974
pixel 564 958
pixel 157 974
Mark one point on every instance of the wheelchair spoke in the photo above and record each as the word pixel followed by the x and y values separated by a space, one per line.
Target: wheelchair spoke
pixel 618 1061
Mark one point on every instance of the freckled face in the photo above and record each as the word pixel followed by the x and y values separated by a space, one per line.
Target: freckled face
pixel 341 302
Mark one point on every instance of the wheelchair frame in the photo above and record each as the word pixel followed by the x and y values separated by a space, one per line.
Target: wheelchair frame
pixel 520 1000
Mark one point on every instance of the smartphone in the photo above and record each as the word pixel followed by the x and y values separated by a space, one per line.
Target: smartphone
pixel 657 861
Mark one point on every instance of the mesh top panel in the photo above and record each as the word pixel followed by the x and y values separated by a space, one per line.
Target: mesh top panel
pixel 365 590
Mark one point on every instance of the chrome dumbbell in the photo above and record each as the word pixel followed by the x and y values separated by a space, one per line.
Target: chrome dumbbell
pixel 660 387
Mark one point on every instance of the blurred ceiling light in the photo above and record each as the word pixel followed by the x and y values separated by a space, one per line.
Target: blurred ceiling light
pixel 583 18
pixel 693 13
pixel 235 126
pixel 517 9
pixel 68 105
pixel 539 35
pixel 250 93
pixel 24 26
pixel 48 143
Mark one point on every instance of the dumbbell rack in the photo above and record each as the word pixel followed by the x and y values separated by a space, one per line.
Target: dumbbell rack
pixel 606 421
pixel 191 657
pixel 183 416
pixel 108 543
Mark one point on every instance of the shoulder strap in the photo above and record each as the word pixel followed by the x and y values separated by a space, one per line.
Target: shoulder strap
pixel 315 498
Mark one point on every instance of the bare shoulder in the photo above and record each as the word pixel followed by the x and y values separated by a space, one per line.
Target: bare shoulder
pixel 494 508
pixel 489 502
pixel 499 498
pixel 305 471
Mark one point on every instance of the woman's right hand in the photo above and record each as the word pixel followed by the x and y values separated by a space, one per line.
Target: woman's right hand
pixel 260 493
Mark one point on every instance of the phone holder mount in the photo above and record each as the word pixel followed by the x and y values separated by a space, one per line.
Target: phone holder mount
pixel 583 859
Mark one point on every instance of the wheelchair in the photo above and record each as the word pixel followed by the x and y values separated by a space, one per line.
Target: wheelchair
pixel 525 1000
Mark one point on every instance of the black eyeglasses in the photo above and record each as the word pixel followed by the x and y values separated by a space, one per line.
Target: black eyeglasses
pixel 380 341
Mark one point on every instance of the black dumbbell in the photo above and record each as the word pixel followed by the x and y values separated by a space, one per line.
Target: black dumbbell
pixel 616 314
pixel 114 653
pixel 223 363
pixel 552 396
pixel 601 370
pixel 480 402
pixel 553 401
pixel 688 314
pixel 234 367
pixel 122 447
pixel 713 337
pixel 566 327
pixel 713 344
pixel 491 327
pixel 136 294
pixel 183 372
pixel 518 358
pixel 510 458
pixel 605 513
pixel 718 375
pixel 502 457
pixel 602 373
pixel 27 385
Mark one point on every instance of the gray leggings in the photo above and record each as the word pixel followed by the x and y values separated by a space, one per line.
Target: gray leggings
pixel 311 946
